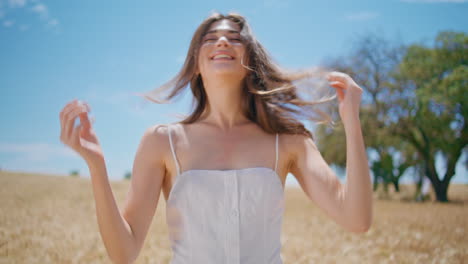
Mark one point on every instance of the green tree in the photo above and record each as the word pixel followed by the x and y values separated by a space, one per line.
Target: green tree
pixel 428 103
pixel 128 175
pixel 75 173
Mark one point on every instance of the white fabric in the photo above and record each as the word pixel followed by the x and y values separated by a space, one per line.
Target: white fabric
pixel 226 216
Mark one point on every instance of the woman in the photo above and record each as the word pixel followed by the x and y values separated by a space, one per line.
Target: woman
pixel 222 170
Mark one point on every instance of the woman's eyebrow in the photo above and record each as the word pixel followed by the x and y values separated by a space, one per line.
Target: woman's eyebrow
pixel 215 31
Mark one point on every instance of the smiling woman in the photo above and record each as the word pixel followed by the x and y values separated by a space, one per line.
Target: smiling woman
pixel 222 169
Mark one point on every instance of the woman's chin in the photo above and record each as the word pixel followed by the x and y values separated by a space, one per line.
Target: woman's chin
pixel 225 71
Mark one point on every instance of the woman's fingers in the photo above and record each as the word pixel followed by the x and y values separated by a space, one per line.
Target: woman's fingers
pixel 346 88
pixel 338 76
pixel 65 121
pixel 66 107
pixel 70 123
pixel 84 120
pixel 344 79
pixel 340 89
pixel 338 84
pixel 64 111
pixel 68 116
pixel 341 94
pixel 75 136
pixel 71 105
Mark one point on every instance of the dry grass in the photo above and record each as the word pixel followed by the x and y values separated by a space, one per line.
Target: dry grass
pixel 50 219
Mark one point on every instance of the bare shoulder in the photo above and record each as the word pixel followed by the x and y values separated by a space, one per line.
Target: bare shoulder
pixel 155 142
pixel 156 134
pixel 158 130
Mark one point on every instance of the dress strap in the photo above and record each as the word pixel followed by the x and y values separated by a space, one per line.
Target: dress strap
pixel 172 149
pixel 276 161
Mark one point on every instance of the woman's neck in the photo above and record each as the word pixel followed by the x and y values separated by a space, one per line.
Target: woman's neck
pixel 224 104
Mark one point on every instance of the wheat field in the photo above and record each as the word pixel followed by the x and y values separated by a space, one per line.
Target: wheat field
pixel 52 219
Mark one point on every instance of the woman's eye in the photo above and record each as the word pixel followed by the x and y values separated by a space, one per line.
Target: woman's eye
pixel 213 39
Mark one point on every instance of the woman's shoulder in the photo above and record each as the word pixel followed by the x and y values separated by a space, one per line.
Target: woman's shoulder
pixel 156 139
pixel 157 130
pixel 161 133
pixel 158 134
pixel 162 129
pixel 154 145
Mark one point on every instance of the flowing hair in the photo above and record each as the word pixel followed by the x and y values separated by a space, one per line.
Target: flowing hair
pixel 269 94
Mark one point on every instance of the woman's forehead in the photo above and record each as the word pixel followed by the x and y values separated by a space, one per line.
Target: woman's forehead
pixel 224 25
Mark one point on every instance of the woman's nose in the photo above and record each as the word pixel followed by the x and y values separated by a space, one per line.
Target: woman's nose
pixel 222 41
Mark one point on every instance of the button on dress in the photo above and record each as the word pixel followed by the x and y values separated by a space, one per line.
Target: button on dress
pixel 225 216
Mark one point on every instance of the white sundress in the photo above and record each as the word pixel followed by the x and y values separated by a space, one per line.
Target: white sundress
pixel 225 216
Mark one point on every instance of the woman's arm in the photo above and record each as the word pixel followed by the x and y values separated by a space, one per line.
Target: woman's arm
pixel 114 229
pixel 350 205
pixel 124 232
pixel 146 183
pixel 358 187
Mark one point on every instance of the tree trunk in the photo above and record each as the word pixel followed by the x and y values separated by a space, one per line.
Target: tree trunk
pixel 396 185
pixel 376 184
pixel 441 193
pixel 440 187
pixel 417 193
pixel 385 185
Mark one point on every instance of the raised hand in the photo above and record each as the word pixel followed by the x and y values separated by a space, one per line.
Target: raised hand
pixel 81 138
pixel 349 95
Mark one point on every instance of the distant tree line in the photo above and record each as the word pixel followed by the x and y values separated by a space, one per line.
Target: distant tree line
pixel 76 173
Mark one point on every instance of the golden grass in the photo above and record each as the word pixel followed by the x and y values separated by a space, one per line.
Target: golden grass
pixel 52 219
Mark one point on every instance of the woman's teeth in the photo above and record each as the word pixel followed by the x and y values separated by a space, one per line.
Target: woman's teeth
pixel 222 56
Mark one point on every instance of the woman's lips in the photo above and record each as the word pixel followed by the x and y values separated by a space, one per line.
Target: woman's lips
pixel 221 56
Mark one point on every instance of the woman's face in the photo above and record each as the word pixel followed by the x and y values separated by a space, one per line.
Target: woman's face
pixel 222 51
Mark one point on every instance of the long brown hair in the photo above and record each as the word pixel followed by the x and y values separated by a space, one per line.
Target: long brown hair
pixel 270 97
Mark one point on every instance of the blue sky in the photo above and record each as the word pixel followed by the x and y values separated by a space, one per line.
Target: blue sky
pixel 104 51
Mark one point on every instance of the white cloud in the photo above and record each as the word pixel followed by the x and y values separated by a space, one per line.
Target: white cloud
pixel 16 3
pixel 435 1
pixel 40 9
pixel 34 6
pixel 37 152
pixel 24 27
pixel 362 16
pixel 8 23
pixel 53 22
